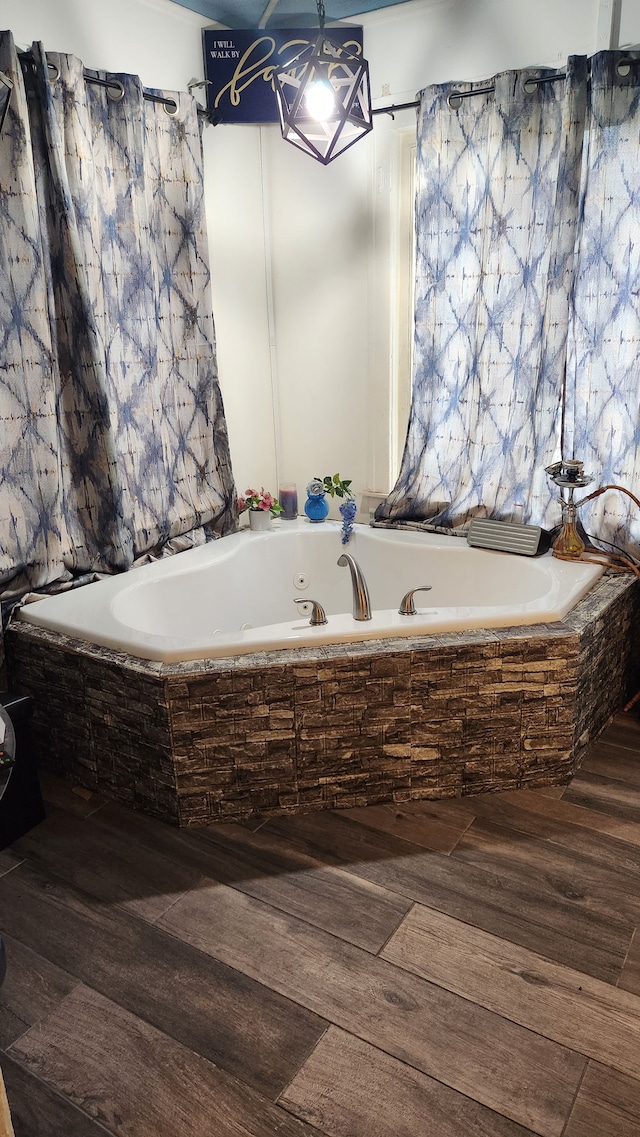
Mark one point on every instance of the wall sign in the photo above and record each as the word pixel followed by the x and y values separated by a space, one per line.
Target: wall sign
pixel 240 66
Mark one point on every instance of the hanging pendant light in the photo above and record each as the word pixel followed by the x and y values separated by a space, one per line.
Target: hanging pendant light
pixel 324 98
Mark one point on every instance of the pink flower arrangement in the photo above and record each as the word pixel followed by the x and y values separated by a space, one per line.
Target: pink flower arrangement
pixel 262 500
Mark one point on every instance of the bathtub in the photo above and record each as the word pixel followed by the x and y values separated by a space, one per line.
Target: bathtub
pixel 236 595
pixel 194 691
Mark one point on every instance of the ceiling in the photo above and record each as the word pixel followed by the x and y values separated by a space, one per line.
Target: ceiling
pixel 280 13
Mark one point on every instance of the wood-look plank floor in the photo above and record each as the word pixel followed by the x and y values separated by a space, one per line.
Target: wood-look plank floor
pixel 467 968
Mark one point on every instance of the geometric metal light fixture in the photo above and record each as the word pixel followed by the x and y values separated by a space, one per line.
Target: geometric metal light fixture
pixel 324 98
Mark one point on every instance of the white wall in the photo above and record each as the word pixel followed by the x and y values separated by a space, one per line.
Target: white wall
pixel 155 39
pixel 436 41
pixel 304 258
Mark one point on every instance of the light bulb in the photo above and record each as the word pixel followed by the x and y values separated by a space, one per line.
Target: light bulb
pixel 320 99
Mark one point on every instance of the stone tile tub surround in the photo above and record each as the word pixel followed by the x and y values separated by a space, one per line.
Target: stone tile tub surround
pixel 344 725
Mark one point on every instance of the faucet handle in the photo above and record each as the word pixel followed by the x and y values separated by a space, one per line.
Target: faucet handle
pixel 407 607
pixel 318 614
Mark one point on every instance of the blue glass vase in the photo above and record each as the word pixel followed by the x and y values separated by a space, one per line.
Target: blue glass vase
pixel 316 507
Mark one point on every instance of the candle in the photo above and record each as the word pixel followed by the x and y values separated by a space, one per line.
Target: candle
pixel 288 498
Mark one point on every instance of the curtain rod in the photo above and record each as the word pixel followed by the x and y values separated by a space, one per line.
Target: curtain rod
pixel 213 119
pixel 116 85
pixel 488 90
pixel 395 107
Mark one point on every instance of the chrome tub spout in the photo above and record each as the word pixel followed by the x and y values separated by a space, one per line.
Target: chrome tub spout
pixel 361 602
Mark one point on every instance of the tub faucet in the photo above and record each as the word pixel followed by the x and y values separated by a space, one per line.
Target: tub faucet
pixel 361 602
pixel 318 614
pixel 407 606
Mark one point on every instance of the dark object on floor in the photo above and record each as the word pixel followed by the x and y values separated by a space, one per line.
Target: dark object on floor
pixel 21 804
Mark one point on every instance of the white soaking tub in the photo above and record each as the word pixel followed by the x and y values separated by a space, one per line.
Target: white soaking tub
pixel 236 595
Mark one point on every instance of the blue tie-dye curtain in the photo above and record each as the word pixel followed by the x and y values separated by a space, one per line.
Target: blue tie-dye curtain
pixel 33 538
pixel 528 238
pixel 603 374
pixel 115 439
pixel 496 211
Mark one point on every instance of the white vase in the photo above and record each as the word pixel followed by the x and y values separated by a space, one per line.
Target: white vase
pixel 259 520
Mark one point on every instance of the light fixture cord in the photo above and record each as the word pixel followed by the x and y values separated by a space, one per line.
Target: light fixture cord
pixel 321 14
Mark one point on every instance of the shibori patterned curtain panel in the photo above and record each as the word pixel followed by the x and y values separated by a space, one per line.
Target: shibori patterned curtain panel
pixel 527 320
pixel 602 416
pixel 113 432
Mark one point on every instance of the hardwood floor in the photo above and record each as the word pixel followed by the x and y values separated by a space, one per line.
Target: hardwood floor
pixel 441 969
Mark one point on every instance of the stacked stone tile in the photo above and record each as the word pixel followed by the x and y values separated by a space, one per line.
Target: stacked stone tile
pixel 289 731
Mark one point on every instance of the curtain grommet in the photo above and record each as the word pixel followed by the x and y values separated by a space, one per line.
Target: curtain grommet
pixel 115 90
pixel 454 100
pixel 170 107
pixel 55 72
